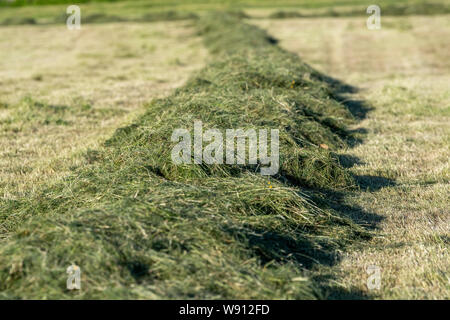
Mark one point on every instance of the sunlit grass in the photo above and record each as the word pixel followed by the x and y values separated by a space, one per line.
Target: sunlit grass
pixel 403 163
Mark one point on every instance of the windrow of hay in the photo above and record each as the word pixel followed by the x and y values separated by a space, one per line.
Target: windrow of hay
pixel 140 226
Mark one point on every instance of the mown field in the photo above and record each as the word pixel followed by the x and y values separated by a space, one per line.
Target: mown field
pixel 86 119
pixel 402 166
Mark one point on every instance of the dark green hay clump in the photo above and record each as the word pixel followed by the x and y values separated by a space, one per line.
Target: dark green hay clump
pixel 141 227
pixel 386 10
pixel 170 15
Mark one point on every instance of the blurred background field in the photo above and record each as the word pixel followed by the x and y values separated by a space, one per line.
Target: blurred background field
pixel 47 12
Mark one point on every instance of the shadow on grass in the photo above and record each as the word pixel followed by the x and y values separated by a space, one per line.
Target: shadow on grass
pixel 270 246
pixel 333 292
pixel 336 200
pixel 349 161
pixel 342 93
pixel 373 183
pixel 358 108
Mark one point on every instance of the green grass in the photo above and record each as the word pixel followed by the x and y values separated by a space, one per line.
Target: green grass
pixel 231 3
pixel 141 227
pixel 54 11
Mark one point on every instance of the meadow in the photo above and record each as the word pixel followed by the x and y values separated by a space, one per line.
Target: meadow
pixel 86 118
pixel 53 11
pixel 402 166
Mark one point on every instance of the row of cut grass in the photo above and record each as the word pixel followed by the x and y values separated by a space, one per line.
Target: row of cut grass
pixel 141 227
